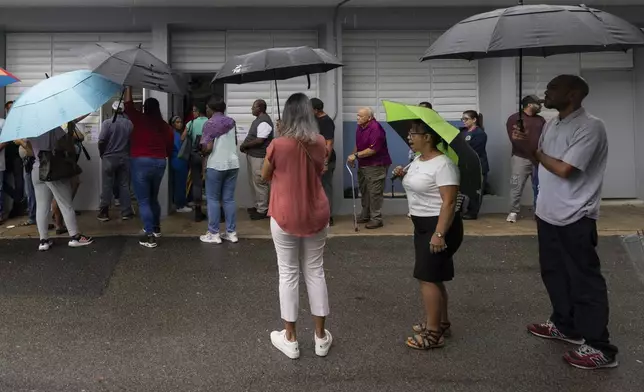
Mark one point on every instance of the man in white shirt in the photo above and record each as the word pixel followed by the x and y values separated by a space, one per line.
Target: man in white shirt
pixel 254 146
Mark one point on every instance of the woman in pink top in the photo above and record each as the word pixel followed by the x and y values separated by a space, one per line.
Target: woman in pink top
pixel 299 212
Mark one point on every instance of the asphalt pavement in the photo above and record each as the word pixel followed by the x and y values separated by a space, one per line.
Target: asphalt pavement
pixel 194 317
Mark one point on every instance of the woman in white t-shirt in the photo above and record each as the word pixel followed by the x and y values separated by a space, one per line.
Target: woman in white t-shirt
pixel 431 182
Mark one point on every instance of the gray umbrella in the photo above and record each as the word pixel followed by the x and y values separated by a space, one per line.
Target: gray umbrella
pixel 132 66
pixel 535 30
pixel 276 64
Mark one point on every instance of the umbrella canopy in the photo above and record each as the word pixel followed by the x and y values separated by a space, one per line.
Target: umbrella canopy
pixel 276 64
pixel 7 78
pixel 535 30
pixel 132 66
pixel 400 117
pixel 55 101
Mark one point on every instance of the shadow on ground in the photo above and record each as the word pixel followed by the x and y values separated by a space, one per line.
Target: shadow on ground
pixel 192 317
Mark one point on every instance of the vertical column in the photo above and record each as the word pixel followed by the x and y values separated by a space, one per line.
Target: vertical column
pixel 497 101
pixel 330 94
pixel 638 70
pixel 161 49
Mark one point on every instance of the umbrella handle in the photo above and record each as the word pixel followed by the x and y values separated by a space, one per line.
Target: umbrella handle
pixel 308 80
pixel 277 96
pixel 116 111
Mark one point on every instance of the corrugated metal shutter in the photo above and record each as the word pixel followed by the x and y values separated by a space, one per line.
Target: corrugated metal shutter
pixel 29 58
pixel 607 60
pixel 31 55
pixel 202 52
pixel 240 97
pixel 385 65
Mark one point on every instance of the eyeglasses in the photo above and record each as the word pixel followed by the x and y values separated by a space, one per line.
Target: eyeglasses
pixel 465 119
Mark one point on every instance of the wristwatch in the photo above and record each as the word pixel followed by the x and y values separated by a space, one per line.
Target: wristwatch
pixel 438 234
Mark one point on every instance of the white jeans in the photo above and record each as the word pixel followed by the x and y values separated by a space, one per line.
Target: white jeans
pixel 290 250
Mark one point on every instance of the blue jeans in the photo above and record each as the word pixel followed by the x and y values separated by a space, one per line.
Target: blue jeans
pixel 220 187
pixel 147 174
pixel 31 197
pixel 179 181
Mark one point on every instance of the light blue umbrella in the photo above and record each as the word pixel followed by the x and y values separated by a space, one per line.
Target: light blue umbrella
pixel 55 101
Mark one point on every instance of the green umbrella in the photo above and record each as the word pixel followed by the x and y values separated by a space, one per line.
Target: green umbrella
pixel 400 117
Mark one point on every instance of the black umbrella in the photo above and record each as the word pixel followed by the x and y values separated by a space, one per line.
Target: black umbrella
pixel 535 30
pixel 276 64
pixel 132 66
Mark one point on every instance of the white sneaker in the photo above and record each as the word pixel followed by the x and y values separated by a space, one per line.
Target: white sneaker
pixel 512 218
pixel 323 345
pixel 290 349
pixel 45 245
pixel 184 210
pixel 210 238
pixel 232 237
pixel 80 241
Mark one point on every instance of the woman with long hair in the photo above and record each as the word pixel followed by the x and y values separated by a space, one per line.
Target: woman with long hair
pixel 477 139
pixel 179 168
pixel 151 143
pixel 299 211
pixel 431 182
pixel 219 145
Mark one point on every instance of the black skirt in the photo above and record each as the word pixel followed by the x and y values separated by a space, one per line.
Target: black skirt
pixel 435 267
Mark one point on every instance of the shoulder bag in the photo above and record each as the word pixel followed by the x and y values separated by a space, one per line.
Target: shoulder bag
pixel 60 163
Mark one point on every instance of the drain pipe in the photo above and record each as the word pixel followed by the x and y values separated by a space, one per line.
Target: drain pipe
pixel 336 14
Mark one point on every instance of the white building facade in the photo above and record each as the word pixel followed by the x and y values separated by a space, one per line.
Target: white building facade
pixel 379 47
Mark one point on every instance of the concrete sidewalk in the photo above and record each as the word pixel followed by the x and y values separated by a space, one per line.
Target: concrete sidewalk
pixel 614 220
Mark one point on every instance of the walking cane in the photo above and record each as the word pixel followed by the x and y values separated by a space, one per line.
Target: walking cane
pixel 353 196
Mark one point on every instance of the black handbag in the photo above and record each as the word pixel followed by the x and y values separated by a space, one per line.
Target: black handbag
pixel 190 151
pixel 60 163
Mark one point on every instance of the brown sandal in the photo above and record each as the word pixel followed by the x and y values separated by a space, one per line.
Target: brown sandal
pixel 426 340
pixel 446 328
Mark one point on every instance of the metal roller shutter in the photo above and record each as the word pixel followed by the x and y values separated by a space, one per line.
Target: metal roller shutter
pixel 199 52
pixel 385 65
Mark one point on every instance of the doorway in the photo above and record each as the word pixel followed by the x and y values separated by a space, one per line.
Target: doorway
pixel 611 99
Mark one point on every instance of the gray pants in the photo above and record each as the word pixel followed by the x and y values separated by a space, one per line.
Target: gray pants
pixel 259 189
pixel 62 191
pixel 371 180
pixel 522 169
pixel 116 171
pixel 327 184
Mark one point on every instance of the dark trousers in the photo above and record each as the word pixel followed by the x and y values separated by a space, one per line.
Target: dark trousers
pixel 571 272
pixel 327 184
pixel 474 206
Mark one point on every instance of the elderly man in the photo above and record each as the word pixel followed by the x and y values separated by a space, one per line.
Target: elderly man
pixel 373 161
pixel 572 158
pixel 254 146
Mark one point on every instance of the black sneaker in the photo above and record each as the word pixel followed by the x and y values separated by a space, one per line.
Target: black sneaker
pixel 149 241
pixel 103 215
pixel 331 222
pixel 157 232
pixel 80 240
pixel 127 217
pixel 258 216
pixel 251 210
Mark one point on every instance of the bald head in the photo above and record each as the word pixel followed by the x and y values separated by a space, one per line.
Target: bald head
pixel 259 107
pixel 365 114
pixel 566 92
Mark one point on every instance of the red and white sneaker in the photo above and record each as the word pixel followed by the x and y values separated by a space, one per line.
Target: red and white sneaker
pixel 548 330
pixel 586 357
